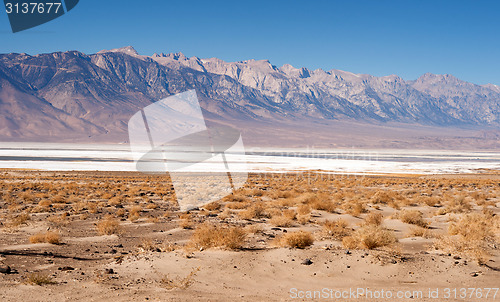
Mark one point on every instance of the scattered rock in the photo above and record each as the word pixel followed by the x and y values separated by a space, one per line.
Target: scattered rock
pixel 307 262
pixel 66 268
pixel 109 271
pixel 5 269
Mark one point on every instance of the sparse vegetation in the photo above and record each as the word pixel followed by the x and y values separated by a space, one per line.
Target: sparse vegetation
pixel 178 282
pixel 47 237
pixel 300 239
pixel 369 236
pixel 108 226
pixel 412 217
pixel 211 235
pixel 39 279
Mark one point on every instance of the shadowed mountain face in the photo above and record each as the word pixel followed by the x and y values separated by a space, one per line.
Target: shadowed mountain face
pixel 74 96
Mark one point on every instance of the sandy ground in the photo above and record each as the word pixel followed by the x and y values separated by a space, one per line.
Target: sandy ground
pixel 87 266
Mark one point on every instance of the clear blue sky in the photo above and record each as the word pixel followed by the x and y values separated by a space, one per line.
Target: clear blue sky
pixel 378 37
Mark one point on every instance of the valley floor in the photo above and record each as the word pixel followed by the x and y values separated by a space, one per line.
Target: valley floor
pixel 119 236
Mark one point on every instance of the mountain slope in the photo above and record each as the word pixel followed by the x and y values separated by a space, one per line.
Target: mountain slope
pixel 74 96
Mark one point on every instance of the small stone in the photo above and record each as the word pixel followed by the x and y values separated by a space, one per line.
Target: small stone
pixel 457 258
pixel 109 271
pixel 347 252
pixel 66 268
pixel 474 274
pixel 307 262
pixel 5 269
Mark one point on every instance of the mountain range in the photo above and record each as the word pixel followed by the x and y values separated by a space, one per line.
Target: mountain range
pixel 72 96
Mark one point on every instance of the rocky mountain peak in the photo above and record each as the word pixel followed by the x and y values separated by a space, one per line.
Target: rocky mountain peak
pixel 129 50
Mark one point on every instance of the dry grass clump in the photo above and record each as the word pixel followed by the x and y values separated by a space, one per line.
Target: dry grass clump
pixel 227 213
pixel 179 283
pixel 369 236
pixel 456 204
pixel 303 209
pixel 39 279
pixel 148 245
pixel 134 213
pixel 210 235
pixel 303 219
pixel 255 211
pixel 381 197
pixel 322 203
pixel 431 201
pixel 300 240
pixel 108 226
pixel 281 221
pixel 337 229
pixel 373 218
pixel 18 220
pixel 354 208
pixel 420 232
pixel 284 218
pixel 49 237
pixel 473 235
pixel 213 206
pixel 412 217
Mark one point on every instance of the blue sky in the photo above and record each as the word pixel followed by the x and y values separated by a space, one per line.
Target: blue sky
pixel 407 38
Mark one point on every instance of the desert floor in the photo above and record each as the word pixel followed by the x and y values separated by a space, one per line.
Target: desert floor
pixel 106 236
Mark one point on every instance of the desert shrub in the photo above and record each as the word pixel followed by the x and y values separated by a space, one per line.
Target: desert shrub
pixel 256 211
pixel 186 222
pixel 303 219
pixel 354 208
pixel 369 236
pixel 420 232
pixel 45 203
pixel 473 236
pixel 134 213
pixel 373 218
pixel 300 239
pixel 19 220
pixel 227 213
pixel 179 283
pixel 412 217
pixel 120 212
pixel 456 204
pixel 281 221
pixel 431 201
pixel 237 205
pixel 211 235
pixel 323 204
pixel 108 226
pixel 49 237
pixel 303 209
pixel 337 229
pixel 39 279
pixel 213 206
pixel 381 197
